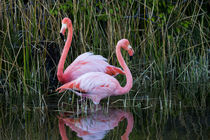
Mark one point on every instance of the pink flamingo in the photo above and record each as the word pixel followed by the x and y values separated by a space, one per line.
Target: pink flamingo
pixel 96 125
pixel 84 63
pixel 98 85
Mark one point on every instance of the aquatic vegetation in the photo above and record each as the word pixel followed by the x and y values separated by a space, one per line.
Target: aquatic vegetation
pixel 170 68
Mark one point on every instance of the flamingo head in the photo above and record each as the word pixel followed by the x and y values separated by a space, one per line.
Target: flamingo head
pixel 125 44
pixel 66 22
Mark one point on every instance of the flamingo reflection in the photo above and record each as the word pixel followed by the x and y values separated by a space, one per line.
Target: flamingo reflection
pixel 96 125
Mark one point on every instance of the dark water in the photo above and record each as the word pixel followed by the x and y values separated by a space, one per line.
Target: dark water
pixel 112 123
pixel 145 118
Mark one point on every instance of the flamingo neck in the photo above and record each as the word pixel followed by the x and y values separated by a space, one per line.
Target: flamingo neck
pixel 130 122
pixel 62 130
pixel 128 75
pixel 60 74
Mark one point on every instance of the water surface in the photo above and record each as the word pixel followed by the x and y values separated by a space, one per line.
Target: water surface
pixel 146 117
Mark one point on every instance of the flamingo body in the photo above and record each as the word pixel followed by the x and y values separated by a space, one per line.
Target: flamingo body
pixel 88 62
pixel 94 85
pixel 98 85
pixel 84 63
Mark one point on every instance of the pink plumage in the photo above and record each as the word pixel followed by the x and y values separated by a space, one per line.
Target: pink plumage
pixel 84 63
pixel 88 62
pixel 96 125
pixel 98 85
pixel 93 85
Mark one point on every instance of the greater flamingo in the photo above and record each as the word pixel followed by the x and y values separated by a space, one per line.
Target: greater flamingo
pixel 84 63
pixel 98 85
pixel 96 125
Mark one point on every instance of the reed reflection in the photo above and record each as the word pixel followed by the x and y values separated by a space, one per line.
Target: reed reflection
pixel 96 125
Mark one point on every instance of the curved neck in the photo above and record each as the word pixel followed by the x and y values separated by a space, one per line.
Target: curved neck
pixel 62 130
pixel 129 128
pixel 128 75
pixel 64 55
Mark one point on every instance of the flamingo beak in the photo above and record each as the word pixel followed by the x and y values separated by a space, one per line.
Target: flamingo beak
pixel 130 52
pixel 131 57
pixel 62 31
pixel 62 36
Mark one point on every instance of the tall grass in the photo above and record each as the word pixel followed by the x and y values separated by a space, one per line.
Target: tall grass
pixel 170 39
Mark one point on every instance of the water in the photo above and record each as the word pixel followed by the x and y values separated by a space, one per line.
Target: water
pixel 148 117
pixel 114 124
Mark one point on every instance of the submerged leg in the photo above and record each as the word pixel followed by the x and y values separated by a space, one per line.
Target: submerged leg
pixel 95 99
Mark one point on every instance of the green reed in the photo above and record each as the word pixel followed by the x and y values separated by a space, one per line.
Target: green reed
pixel 170 39
pixel 150 121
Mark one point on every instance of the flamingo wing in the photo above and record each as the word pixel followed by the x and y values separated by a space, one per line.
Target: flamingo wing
pixel 112 70
pixel 93 85
pixel 88 62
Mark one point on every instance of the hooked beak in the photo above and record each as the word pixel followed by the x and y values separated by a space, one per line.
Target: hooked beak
pixel 131 57
pixel 62 36
pixel 130 52
pixel 62 31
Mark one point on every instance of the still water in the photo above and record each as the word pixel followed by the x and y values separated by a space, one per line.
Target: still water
pixel 147 118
